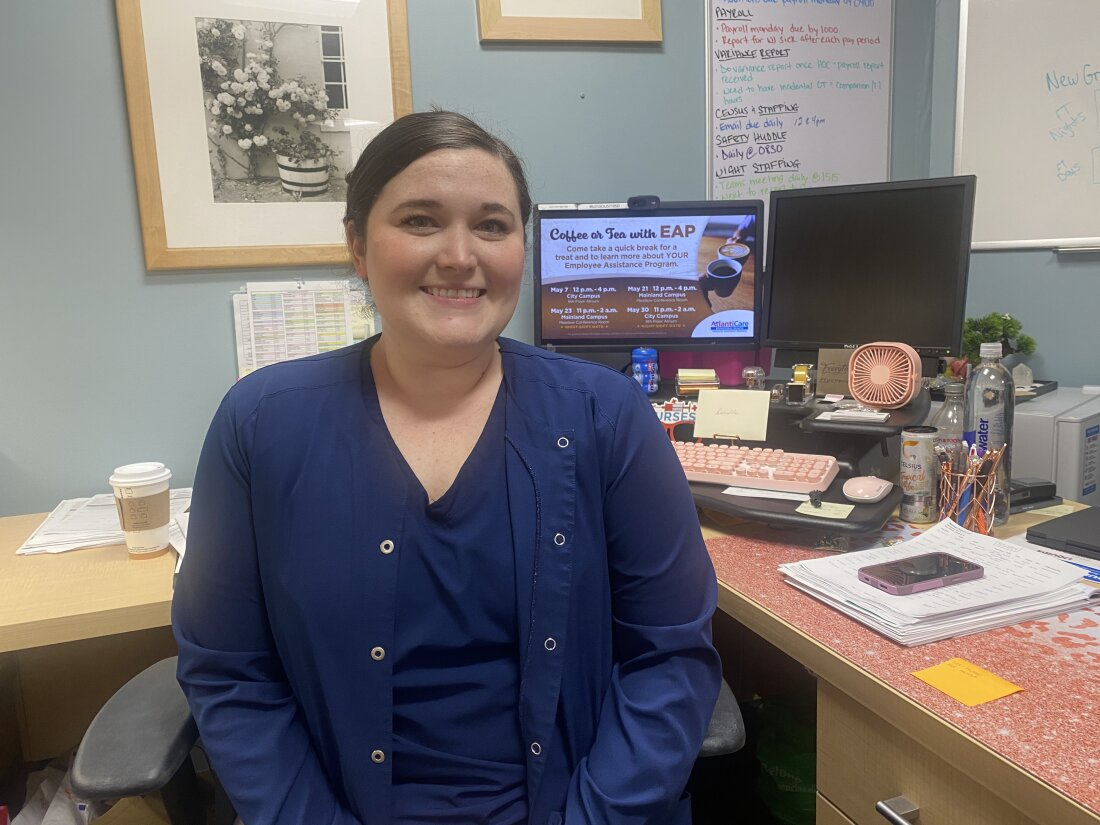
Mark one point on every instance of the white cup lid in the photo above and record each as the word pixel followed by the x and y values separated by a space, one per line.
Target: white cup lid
pixel 137 475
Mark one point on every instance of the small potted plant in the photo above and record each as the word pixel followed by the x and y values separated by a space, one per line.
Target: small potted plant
pixel 304 161
pixel 303 158
pixel 996 326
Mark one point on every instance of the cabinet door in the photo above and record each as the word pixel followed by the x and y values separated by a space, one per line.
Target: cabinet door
pixel 862 759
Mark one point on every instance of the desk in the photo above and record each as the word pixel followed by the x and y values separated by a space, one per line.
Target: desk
pixel 74 627
pixel 1033 757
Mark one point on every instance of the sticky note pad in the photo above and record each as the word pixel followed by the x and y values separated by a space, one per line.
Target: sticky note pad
pixel 1054 510
pixel 828 509
pixel 965 681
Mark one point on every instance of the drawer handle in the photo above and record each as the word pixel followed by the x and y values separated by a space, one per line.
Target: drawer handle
pixel 898 811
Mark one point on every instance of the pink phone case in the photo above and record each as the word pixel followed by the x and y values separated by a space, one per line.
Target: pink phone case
pixel 918 587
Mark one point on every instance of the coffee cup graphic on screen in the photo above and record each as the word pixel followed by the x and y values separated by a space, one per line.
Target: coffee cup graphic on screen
pixel 723 274
pixel 734 251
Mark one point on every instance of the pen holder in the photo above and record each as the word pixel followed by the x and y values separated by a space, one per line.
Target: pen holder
pixel 967 498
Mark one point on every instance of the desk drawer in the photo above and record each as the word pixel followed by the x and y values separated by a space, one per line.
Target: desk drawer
pixel 828 815
pixel 861 759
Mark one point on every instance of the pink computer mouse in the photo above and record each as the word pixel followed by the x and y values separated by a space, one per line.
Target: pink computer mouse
pixel 866 489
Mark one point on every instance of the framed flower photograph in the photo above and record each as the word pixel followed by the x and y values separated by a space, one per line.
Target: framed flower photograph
pixel 245 118
pixel 637 21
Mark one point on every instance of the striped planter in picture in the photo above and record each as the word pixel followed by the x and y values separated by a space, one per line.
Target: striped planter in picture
pixel 303 178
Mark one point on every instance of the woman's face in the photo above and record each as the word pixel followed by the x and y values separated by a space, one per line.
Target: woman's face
pixel 443 253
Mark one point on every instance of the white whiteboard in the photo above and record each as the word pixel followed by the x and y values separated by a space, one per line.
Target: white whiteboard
pixel 799 94
pixel 1028 121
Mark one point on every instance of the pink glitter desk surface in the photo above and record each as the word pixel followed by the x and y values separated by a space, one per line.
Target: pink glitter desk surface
pixel 1050 729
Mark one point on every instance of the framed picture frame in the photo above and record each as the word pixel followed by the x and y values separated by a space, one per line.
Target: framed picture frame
pixel 637 21
pixel 244 118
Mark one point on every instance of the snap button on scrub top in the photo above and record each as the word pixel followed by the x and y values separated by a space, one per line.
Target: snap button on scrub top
pixel 550 643
pixel 536 748
pixel 378 653
pixel 563 442
pixel 386 547
pixel 377 757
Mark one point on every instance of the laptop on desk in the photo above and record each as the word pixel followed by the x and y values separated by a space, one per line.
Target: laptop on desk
pixel 1077 533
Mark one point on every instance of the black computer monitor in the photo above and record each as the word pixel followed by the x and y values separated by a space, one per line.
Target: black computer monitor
pixel 675 276
pixel 849 265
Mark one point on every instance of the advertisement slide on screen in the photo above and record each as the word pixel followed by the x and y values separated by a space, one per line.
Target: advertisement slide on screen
pixel 652 277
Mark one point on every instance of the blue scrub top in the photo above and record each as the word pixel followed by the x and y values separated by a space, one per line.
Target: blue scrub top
pixel 456 648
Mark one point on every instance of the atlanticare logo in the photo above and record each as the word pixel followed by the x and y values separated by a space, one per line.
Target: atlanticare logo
pixel 729 326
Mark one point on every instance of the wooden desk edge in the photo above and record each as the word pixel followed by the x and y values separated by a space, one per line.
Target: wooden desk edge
pixel 38 633
pixel 1031 795
pixel 78 622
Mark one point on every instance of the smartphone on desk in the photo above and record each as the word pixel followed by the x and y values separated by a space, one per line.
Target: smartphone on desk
pixel 919 573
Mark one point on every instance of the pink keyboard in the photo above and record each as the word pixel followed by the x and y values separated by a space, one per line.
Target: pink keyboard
pixel 761 468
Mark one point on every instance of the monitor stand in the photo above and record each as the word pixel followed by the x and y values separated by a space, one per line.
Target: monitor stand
pixel 727 364
pixel 787 358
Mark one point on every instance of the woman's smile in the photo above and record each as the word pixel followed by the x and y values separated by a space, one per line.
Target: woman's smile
pixel 464 296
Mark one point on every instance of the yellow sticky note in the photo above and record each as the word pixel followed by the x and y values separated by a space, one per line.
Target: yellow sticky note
pixel 965 681
pixel 1054 510
pixel 828 509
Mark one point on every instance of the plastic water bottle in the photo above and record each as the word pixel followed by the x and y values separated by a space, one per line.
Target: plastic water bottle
pixel 990 396
pixel 950 418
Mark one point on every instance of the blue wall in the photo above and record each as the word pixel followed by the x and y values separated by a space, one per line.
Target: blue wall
pixel 104 363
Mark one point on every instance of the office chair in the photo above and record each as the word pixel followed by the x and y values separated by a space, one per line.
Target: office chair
pixel 726 732
pixel 141 740
pixel 139 743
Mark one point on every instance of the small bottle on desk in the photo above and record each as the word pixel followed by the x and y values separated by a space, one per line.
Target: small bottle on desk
pixel 643 362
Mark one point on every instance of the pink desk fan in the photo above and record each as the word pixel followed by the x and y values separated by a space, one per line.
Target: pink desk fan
pixel 884 375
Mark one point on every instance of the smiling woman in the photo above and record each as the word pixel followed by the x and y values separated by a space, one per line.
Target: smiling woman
pixel 463 507
pixel 442 251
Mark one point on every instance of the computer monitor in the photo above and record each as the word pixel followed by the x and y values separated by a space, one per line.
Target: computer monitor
pixel 674 276
pixel 849 265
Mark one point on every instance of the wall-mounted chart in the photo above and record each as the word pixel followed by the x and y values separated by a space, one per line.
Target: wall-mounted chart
pixel 799 94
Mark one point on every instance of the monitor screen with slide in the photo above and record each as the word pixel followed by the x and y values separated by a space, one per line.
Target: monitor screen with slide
pixel 671 276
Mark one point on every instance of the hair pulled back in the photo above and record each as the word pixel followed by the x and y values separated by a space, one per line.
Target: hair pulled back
pixel 410 138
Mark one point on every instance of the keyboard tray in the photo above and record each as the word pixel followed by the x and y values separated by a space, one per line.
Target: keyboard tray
pixel 864 518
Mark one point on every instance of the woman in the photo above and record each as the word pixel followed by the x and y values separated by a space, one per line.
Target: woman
pixel 441 576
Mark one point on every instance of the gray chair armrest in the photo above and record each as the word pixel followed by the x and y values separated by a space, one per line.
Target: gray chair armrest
pixel 138 740
pixel 726 732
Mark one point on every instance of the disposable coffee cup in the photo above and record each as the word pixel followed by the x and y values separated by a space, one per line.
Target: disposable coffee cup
pixel 141 496
pixel 724 275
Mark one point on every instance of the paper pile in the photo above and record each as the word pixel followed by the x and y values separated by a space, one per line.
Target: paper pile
pixel 93 522
pixel 1019 584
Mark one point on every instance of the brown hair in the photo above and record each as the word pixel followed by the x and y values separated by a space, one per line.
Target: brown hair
pixel 410 138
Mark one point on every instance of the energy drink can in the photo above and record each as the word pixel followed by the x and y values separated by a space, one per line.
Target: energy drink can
pixel 919 486
pixel 643 362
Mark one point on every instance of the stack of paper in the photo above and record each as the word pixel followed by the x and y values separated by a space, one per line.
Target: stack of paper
pixel 1019 584
pixel 690 381
pixel 93 522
